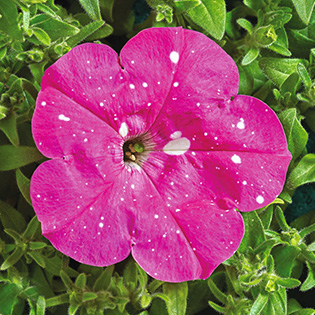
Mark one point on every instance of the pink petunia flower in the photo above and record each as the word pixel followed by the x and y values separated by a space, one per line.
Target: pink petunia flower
pixel 152 153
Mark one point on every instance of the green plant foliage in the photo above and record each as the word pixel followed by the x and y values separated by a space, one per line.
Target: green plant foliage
pixel 273 45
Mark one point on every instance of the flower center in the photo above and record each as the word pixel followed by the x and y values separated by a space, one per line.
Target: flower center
pixel 132 150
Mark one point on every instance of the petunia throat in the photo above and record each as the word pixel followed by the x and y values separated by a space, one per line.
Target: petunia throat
pixel 132 150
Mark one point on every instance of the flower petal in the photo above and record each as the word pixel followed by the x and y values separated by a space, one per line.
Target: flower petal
pixel 62 127
pixel 187 244
pixel 236 161
pixel 78 217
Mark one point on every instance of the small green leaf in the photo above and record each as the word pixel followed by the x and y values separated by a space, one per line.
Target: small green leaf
pixel 251 55
pixel 281 219
pixel 217 292
pixel 40 306
pixel 254 4
pixel 12 259
pixel 265 36
pixel 11 218
pixel 37 245
pixel 41 35
pixel 89 296
pixel 296 135
pixel 24 185
pixel 259 304
pixel 80 281
pixel 211 16
pixel 311 247
pixel 303 173
pixel 288 283
pixel 3 52
pixel 92 8
pixel 145 300
pixel 177 294
pixel 66 280
pixel 8 126
pixel 217 307
pixel 12 157
pixel 38 258
pixel 103 281
pixel 304 8
pixel 304 75
pixel 57 300
pixel 245 24
pixel 278 69
pixel 31 228
pixel 309 282
pixel 84 32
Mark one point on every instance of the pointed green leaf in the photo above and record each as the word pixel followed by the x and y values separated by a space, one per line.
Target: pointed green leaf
pixel 8 126
pixel 304 8
pixel 289 283
pixel 217 307
pixel 309 282
pixel 296 135
pixel 3 52
pixel 11 218
pixel 251 55
pixel 211 16
pixel 217 292
pixel 41 35
pixel 281 219
pixel 92 8
pixel 177 294
pixel 40 306
pixel 304 75
pixel 245 24
pixel 12 259
pixel 103 281
pixel 31 228
pixel 84 32
pixel 303 173
pixel 80 281
pixel 88 296
pixel 24 185
pixel 38 258
pixel 259 304
pixel 66 280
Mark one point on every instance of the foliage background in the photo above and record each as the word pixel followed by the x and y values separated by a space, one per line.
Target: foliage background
pixel 273 272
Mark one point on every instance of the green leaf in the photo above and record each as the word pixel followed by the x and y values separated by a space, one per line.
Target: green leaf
pixel 304 8
pixel 8 297
pixel 102 32
pixel 251 55
pixel 182 6
pixel 37 245
pixel 14 157
pixel 177 293
pixel 24 185
pixel 278 69
pixel 254 231
pixel 40 306
pixel 259 304
pixel 254 4
pixel 309 282
pixel 284 257
pixel 66 280
pixel 103 281
pixel 8 126
pixel 281 219
pixel 55 28
pixel 80 281
pixel 211 16
pixel 245 24
pixel 31 228
pixel 92 8
pixel 296 135
pixel 38 258
pixel 217 307
pixel 3 52
pixel 304 75
pixel 57 300
pixel 303 173
pixel 8 20
pixel 12 259
pixel 217 292
pixel 84 32
pixel 41 35
pixel 11 218
pixel 289 283
pixel 88 296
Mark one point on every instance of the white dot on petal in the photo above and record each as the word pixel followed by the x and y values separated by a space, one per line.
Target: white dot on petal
pixel 123 130
pixel 101 225
pixel 132 61
pixel 132 186
pixel 240 124
pixel 236 159
pixel 101 104
pixel 156 216
pixel 244 182
pixel 260 199
pixel 44 103
pixel 177 146
pixel 177 210
pixel 145 84
pixel 63 117
pixel 132 86
pixel 174 56
pixel 175 84
pixel 175 135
